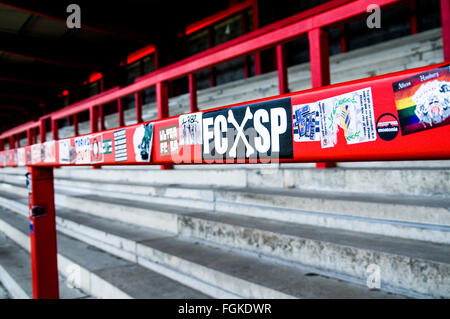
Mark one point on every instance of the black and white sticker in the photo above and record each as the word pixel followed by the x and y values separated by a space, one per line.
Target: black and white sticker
pixel 387 127
pixel 260 130
pixel 120 145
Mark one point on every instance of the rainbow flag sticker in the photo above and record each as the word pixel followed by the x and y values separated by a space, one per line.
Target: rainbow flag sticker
pixel 423 101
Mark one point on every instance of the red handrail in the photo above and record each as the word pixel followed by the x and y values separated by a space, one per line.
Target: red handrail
pixel 280 32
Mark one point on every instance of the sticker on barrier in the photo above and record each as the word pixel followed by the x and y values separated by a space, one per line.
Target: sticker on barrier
pixel 21 157
pixel 82 150
pixel 387 127
pixel 190 126
pixel 423 101
pixel 35 154
pixel 143 142
pixel 353 113
pixel 259 131
pixel 67 153
pixel 49 149
pixel 120 145
pixel 96 148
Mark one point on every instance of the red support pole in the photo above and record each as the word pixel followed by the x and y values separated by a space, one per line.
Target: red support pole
pixel 193 92
pixel 44 265
pixel 75 124
pixel 343 37
pixel 42 131
pixel 413 17
pixel 283 84
pixel 11 142
pixel 255 22
pixel 445 18
pixel 138 103
pixel 101 114
pixel 120 112
pixel 320 67
pixel 30 137
pixel 212 71
pixel 2 145
pixel 319 57
pixel 162 104
pixel 93 115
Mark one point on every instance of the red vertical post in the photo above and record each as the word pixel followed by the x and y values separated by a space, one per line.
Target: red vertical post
pixel 138 103
pixel 54 130
pixel 255 22
pixel 320 67
pixel 120 112
pixel 193 92
pixel 413 16
pixel 75 124
pixel 162 104
pixel 42 131
pixel 101 114
pixel 93 115
pixel 283 84
pixel 30 137
pixel 2 145
pixel 343 37
pixel 11 142
pixel 44 260
pixel 245 58
pixel 212 71
pixel 445 19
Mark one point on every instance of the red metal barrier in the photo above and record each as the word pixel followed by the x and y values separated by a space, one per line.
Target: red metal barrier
pixel 399 116
pixel 305 126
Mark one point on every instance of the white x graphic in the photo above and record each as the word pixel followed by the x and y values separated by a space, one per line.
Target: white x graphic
pixel 240 132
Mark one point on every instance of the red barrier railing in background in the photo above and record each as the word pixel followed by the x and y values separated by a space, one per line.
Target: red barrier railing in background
pixel 310 22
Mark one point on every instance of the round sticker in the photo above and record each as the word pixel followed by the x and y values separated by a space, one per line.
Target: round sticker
pixel 387 126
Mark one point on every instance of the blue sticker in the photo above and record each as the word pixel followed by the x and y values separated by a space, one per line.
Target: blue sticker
pixel 31 227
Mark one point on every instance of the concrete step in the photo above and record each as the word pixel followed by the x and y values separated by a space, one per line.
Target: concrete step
pixel 401 181
pixel 410 217
pixel 15 273
pixel 336 253
pixel 217 271
pixel 100 274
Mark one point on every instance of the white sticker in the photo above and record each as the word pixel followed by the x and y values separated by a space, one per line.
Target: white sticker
pixel 82 150
pixel 35 153
pixel 21 157
pixel 190 126
pixel 49 149
pixel 65 152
